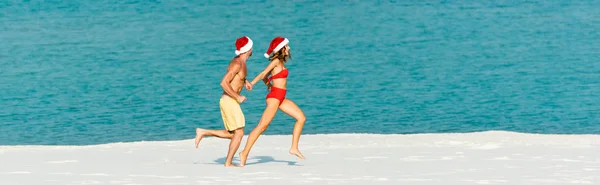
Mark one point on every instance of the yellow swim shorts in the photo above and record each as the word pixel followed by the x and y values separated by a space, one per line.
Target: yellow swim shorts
pixel 231 112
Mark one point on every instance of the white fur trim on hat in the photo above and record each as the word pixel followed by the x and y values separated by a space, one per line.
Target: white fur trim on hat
pixel 246 48
pixel 279 46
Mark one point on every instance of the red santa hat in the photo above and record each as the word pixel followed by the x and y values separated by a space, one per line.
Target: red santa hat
pixel 243 45
pixel 276 44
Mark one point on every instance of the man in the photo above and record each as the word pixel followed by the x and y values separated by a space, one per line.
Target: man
pixel 231 112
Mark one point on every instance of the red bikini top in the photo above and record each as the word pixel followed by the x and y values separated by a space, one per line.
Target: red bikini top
pixel 282 74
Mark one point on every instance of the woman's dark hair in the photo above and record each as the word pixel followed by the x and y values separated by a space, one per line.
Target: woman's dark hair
pixel 281 55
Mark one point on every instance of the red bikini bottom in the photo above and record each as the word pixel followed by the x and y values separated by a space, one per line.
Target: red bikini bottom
pixel 277 93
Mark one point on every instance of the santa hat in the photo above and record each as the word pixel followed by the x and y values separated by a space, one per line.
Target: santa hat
pixel 276 45
pixel 242 45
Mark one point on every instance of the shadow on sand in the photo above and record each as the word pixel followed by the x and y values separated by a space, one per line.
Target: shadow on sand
pixel 251 160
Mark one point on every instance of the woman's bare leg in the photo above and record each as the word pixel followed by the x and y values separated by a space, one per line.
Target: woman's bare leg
pixel 290 108
pixel 200 133
pixel 265 120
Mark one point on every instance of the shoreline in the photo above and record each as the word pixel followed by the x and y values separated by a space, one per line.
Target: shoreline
pixel 492 132
pixel 491 157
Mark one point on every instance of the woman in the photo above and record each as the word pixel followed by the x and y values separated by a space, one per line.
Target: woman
pixel 276 97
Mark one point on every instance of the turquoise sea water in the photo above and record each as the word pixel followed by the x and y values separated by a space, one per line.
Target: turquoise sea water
pixel 88 72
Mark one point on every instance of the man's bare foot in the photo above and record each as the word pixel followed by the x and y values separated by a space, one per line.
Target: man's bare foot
pixel 243 157
pixel 231 165
pixel 297 153
pixel 199 136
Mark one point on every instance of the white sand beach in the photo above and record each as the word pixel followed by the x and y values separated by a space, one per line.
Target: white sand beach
pixel 473 158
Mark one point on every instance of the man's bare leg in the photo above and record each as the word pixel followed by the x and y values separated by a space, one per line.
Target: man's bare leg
pixel 200 133
pixel 236 139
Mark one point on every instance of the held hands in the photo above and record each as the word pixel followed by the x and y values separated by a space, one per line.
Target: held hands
pixel 248 86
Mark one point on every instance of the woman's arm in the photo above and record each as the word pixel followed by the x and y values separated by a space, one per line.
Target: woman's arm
pixel 266 71
pixel 265 79
pixel 267 83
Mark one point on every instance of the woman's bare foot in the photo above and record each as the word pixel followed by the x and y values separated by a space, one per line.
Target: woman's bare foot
pixel 199 136
pixel 297 153
pixel 243 158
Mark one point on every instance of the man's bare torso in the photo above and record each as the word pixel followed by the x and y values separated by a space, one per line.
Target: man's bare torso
pixel 238 80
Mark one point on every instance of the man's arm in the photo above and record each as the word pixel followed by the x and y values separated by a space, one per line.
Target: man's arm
pixel 233 69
